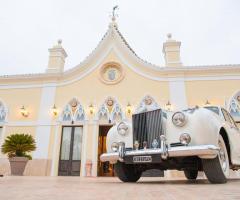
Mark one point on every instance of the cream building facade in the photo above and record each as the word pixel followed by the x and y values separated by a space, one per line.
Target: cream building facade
pixel 69 112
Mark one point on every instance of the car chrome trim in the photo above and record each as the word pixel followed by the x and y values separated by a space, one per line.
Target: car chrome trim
pixel 202 151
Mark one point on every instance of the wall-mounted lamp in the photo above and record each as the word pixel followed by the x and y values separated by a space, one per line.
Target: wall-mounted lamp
pixel 91 108
pixel 168 105
pixel 24 112
pixel 54 110
pixel 207 103
pixel 129 109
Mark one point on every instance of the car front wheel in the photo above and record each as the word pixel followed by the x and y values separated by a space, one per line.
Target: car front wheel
pixel 217 169
pixel 127 173
pixel 191 174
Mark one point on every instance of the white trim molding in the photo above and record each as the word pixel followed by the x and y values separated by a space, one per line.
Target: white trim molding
pixel 177 92
pixel 44 117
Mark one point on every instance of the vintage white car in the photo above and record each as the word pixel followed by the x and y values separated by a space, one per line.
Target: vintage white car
pixel 198 139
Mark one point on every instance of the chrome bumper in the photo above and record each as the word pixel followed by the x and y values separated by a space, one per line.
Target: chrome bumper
pixel 202 151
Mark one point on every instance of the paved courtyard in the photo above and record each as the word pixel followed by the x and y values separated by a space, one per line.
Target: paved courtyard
pixel 69 188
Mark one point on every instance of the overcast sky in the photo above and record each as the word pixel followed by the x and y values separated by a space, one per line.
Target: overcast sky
pixel 208 29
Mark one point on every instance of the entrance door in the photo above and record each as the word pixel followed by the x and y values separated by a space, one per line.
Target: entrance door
pixel 104 169
pixel 70 154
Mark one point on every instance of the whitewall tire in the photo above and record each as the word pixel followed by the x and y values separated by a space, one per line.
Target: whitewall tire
pixel 217 169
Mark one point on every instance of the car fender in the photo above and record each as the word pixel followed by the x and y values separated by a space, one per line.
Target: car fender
pixel 114 136
pixel 202 125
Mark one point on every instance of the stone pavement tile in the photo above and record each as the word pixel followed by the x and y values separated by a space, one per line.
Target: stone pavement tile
pixel 76 188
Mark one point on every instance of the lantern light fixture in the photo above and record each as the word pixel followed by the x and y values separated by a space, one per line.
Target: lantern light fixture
pixel 54 110
pixel 24 111
pixel 91 108
pixel 129 109
pixel 168 105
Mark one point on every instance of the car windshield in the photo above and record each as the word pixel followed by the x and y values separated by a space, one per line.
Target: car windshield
pixel 213 108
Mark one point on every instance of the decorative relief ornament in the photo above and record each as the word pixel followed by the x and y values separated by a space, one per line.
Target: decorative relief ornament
pixel 238 98
pixel 148 100
pixel 73 111
pixel 111 73
pixel 234 107
pixel 3 112
pixel 147 104
pixel 111 110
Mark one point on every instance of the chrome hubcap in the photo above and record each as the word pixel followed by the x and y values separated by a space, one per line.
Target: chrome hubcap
pixel 222 156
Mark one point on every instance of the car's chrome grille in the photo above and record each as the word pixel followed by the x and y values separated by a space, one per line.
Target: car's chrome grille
pixel 147 126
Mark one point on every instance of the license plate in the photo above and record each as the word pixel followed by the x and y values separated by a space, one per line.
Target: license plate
pixel 142 159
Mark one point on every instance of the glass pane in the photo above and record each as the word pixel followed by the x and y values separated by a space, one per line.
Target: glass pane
pixel 77 143
pixel 214 109
pixel 66 141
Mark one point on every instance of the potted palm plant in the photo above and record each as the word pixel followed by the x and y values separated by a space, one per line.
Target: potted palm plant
pixel 17 147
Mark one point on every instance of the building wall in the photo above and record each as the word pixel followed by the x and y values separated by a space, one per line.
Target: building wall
pixel 217 92
pixel 14 99
pixel 40 95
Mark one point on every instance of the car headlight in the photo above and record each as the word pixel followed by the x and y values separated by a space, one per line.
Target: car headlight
pixel 122 128
pixel 179 119
pixel 185 138
pixel 115 146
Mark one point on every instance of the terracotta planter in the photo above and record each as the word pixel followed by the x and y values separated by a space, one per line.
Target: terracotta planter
pixel 18 165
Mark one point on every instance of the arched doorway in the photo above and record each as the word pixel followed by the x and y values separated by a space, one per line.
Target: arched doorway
pixel 71 140
pixel 110 112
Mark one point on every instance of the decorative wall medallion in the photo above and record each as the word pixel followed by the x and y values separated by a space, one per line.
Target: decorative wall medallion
pixel 111 73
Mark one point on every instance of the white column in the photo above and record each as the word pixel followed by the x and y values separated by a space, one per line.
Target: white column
pixel 44 122
pixel 55 151
pixel 84 150
pixel 95 149
pixel 178 93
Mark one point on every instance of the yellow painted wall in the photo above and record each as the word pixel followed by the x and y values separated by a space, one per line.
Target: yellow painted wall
pixel 31 130
pixel 16 98
pixel 132 88
pixel 217 92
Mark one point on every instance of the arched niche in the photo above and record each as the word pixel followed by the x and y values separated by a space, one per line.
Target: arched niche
pixel 234 106
pixel 73 112
pixel 146 104
pixel 110 111
pixel 3 112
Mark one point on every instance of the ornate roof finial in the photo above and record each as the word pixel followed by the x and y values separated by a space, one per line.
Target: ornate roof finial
pixel 59 41
pixel 169 36
pixel 114 15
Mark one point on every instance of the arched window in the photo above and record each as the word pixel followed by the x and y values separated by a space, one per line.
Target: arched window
pixel 73 111
pixel 110 110
pixel 146 104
